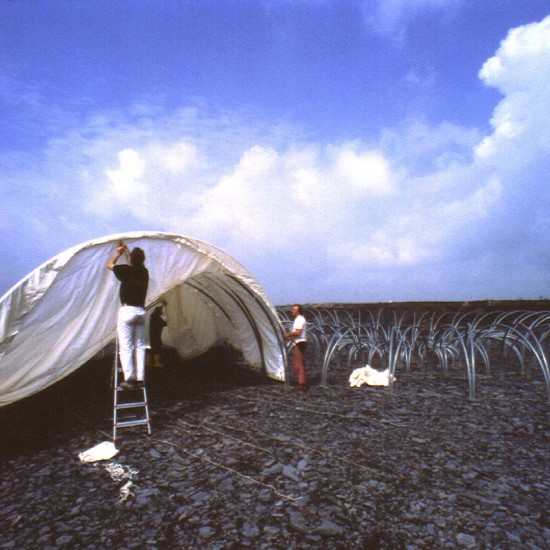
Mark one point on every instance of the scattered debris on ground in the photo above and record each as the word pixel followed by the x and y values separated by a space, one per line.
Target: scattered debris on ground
pixel 245 463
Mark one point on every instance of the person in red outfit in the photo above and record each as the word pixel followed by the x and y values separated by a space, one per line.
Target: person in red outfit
pixel 298 336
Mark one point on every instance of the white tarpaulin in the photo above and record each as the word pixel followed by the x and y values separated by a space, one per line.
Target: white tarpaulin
pixel 65 311
pixel 371 377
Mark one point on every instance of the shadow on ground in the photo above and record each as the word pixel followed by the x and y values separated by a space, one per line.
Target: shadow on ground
pixel 85 398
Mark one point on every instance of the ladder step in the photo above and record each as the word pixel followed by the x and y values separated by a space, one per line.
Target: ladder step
pixel 130 401
pixel 131 405
pixel 124 423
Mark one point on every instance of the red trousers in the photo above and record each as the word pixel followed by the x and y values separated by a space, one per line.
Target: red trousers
pixel 298 363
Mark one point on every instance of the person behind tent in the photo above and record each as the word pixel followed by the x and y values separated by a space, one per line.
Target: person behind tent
pixel 134 281
pixel 156 326
pixel 298 336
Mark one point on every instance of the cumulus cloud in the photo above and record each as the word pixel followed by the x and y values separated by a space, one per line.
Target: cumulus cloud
pixel 125 180
pixel 364 172
pixel 428 212
pixel 520 71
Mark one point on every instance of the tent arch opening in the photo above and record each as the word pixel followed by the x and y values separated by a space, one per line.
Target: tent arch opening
pixel 64 312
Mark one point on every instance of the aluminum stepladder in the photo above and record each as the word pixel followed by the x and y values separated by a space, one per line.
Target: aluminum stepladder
pixel 132 401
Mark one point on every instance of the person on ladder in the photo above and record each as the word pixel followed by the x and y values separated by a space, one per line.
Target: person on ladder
pixel 134 281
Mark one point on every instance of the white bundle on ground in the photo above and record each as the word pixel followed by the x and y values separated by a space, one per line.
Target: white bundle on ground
pixel 371 377
pixel 103 451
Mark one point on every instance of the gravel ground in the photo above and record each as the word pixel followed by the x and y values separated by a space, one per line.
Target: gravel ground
pixel 235 461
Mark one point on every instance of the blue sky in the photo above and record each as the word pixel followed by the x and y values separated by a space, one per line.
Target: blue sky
pixel 342 150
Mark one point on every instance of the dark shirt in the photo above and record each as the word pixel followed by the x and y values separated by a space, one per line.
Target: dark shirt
pixel 133 284
pixel 156 324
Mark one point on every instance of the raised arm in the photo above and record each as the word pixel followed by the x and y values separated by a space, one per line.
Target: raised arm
pixel 121 249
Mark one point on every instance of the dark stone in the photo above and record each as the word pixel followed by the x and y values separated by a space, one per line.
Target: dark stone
pixel 242 462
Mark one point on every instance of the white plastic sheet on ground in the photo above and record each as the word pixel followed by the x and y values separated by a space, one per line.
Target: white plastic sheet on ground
pixel 102 451
pixel 64 312
pixel 369 376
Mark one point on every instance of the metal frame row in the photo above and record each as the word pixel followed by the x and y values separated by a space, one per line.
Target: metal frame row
pixel 472 343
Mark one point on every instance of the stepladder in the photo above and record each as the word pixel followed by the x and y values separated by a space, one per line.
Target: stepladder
pixel 130 405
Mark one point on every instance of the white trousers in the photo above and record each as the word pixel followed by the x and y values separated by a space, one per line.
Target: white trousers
pixel 131 341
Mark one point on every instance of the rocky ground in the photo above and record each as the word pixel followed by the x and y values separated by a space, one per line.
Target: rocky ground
pixel 235 461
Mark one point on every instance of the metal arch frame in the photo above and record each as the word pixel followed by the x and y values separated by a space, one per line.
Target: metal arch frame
pixel 202 291
pixel 250 319
pixel 464 338
pixel 277 330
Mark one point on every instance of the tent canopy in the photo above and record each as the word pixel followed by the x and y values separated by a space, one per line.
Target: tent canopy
pixel 65 311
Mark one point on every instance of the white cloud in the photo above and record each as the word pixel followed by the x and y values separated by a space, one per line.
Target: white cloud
pixel 364 171
pixel 521 62
pixel 520 70
pixel 247 203
pixel 125 180
pixel 416 216
pixel 474 206
pixel 422 149
pixel 383 249
pixel 176 158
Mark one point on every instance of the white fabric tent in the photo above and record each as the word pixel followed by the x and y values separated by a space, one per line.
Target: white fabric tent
pixel 64 312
